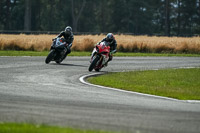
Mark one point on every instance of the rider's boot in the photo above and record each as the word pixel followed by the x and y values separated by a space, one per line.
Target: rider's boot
pixel 106 64
pixel 110 58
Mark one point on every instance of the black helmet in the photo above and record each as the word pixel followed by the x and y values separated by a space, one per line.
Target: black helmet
pixel 109 37
pixel 68 30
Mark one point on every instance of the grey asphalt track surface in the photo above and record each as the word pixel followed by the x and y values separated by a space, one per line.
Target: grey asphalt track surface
pixel 34 92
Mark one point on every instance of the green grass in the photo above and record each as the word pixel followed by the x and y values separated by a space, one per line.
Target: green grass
pixel 29 128
pixel 181 84
pixel 77 53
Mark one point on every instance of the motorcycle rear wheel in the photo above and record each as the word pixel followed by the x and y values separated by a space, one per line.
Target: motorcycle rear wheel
pixel 61 57
pixel 50 56
pixel 58 62
pixel 97 70
pixel 93 64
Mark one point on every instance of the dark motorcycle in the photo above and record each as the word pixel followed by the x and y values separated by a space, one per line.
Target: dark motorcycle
pixel 58 51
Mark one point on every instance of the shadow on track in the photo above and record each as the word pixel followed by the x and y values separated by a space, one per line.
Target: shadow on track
pixel 64 64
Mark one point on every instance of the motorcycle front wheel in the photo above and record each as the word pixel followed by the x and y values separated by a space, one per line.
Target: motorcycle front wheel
pixel 93 64
pixel 50 56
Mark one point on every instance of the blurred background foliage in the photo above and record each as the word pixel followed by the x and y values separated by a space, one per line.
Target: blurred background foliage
pixel 139 17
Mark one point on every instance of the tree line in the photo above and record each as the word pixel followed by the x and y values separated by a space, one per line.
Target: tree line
pixel 149 17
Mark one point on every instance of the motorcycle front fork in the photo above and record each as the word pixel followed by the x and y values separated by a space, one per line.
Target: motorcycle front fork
pixel 92 56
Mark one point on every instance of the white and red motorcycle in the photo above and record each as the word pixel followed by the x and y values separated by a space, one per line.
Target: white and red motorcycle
pixel 100 56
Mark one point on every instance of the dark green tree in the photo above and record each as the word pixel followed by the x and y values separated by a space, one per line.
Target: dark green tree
pixel 151 17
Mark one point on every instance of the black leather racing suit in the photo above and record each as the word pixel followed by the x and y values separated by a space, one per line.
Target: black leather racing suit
pixel 68 38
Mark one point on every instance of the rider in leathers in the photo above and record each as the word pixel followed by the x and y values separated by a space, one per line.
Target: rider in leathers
pixel 69 37
pixel 112 43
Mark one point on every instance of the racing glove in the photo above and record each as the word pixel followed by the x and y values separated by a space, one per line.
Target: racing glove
pixel 114 51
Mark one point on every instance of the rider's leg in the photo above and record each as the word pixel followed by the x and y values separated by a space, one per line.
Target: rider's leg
pixel 110 58
pixel 68 52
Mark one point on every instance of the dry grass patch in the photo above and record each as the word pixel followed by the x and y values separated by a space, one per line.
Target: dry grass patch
pixel 25 42
pixel 126 43
pixel 158 44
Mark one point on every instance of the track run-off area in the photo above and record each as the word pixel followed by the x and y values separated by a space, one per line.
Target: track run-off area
pixel 34 92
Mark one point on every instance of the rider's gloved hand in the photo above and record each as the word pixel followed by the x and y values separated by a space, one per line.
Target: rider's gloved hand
pixel 98 43
pixel 114 51
pixel 68 45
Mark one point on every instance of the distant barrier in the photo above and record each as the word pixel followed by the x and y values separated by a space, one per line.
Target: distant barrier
pixel 49 32
pixel 57 32
pixel 28 32
pixel 87 33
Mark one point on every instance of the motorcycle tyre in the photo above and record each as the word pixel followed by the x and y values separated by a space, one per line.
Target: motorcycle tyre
pixel 59 61
pixel 93 64
pixel 50 56
pixel 97 70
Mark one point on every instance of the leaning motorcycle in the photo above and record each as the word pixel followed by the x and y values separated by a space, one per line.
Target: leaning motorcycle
pixel 100 56
pixel 58 51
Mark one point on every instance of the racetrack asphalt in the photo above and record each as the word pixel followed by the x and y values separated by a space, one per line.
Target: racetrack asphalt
pixel 34 92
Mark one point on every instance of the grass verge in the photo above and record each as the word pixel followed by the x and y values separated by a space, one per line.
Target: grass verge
pixel 183 84
pixel 78 53
pixel 29 128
